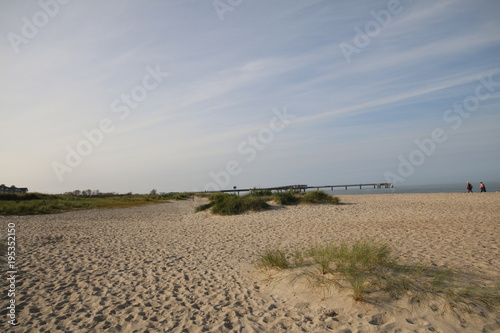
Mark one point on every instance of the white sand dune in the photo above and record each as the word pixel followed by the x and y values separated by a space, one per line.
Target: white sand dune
pixel 162 268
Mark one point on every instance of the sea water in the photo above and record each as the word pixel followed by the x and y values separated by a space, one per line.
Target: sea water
pixel 432 188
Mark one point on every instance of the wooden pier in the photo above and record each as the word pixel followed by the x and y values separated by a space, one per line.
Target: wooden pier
pixel 303 188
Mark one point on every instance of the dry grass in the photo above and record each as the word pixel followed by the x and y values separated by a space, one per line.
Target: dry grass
pixel 373 274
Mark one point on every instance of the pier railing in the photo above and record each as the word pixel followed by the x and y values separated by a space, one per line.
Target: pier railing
pixel 302 188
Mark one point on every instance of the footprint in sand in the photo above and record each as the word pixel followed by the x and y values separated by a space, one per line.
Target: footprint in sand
pixel 417 321
pixel 381 319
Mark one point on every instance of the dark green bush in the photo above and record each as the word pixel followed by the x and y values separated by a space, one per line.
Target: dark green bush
pixel 228 204
pixel 254 203
pixel 171 196
pixel 318 197
pixel 286 198
pixel 231 204
pixel 27 196
pixel 204 207
pixel 261 193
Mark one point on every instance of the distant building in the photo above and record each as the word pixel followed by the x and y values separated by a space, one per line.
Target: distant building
pixel 12 189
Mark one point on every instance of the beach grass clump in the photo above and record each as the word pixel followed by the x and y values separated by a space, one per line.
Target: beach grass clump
pixel 361 256
pixel 319 197
pixel 372 273
pixel 231 204
pixel 273 259
pixel 204 207
pixel 322 255
pixel 286 198
pixel 298 258
pixel 361 264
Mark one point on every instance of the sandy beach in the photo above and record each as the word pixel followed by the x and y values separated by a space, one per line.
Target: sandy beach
pixel 163 268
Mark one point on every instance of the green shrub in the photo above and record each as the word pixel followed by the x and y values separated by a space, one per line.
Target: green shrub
pixel 27 196
pixel 286 198
pixel 319 197
pixel 261 193
pixel 171 196
pixel 203 195
pixel 228 204
pixel 204 207
pixel 231 204
pixel 254 203
pixel 216 196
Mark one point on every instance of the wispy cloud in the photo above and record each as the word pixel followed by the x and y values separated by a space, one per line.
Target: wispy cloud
pixel 225 79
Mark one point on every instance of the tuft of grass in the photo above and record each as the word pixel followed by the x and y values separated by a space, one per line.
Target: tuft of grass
pixel 359 285
pixel 361 256
pixel 319 197
pixel 320 283
pixel 286 198
pixel 298 258
pixel 273 259
pixel 322 255
pixel 370 270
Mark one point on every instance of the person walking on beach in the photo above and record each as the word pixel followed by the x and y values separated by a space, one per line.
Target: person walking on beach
pixel 482 187
pixel 469 187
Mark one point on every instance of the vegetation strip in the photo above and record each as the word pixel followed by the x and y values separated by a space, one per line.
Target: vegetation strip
pixel 38 203
pixel 373 274
pixel 256 200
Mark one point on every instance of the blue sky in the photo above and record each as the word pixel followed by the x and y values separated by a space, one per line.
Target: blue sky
pixel 193 95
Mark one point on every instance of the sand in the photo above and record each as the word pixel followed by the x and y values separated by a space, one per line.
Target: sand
pixel 163 268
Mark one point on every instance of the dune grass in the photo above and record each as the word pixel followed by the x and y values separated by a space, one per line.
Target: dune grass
pixel 256 200
pixel 373 274
pixel 312 197
pixel 274 259
pixel 232 204
pixel 261 192
pixel 318 197
pixel 286 198
pixel 37 203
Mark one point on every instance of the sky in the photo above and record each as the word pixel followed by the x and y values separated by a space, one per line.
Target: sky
pixel 191 95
